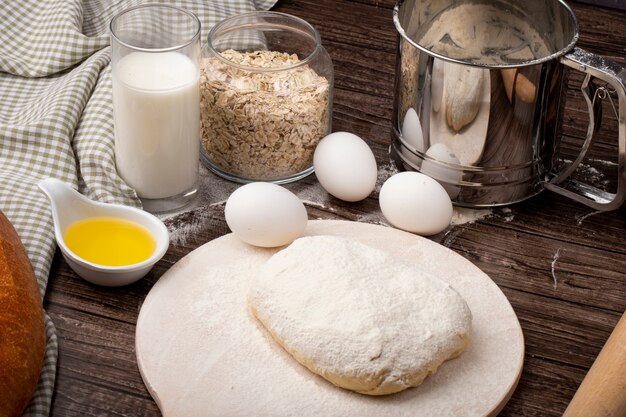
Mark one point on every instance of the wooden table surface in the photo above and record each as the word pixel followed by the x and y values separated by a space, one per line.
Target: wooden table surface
pixel 561 265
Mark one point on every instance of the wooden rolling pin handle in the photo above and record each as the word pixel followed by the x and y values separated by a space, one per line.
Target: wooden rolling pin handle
pixel 603 391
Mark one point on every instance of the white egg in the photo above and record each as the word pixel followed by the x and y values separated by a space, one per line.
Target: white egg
pixel 413 136
pixel 345 166
pixel 265 214
pixel 416 203
pixel 447 176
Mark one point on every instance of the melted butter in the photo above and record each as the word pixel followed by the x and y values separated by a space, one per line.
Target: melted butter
pixel 110 241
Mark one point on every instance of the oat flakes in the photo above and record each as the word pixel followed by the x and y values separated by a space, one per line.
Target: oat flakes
pixel 262 125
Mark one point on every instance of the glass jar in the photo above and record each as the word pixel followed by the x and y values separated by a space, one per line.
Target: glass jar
pixel 266 88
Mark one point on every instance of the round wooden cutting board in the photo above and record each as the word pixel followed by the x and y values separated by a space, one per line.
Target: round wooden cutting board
pixel 201 353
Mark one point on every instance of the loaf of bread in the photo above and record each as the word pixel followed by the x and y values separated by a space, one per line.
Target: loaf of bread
pixel 22 332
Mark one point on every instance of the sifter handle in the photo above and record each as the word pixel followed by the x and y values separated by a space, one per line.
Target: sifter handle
pixel 603 391
pixel 614 74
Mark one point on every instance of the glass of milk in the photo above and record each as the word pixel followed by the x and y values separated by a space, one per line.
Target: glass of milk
pixel 155 52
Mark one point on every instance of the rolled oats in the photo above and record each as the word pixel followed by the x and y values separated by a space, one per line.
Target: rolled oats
pixel 265 124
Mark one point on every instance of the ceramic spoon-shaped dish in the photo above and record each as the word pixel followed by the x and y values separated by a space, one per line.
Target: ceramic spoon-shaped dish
pixel 69 206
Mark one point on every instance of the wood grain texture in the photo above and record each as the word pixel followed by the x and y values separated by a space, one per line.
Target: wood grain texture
pixel 601 394
pixel 562 266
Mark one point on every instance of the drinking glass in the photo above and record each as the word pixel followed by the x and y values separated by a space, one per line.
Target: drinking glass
pixel 155 52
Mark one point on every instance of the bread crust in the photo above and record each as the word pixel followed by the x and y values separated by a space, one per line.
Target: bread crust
pixel 22 330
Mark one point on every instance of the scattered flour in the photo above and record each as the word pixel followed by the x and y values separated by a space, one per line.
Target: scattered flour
pixel 316 204
pixel 592 175
pixel 580 219
pixel 604 162
pixel 462 215
pixel 211 190
pixel 553 266
pixel 373 218
pixel 451 236
pixel 181 230
pixel 314 195
pixel 384 173
pixel 508 214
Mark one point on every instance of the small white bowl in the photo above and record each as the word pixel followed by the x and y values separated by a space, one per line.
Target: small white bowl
pixel 69 206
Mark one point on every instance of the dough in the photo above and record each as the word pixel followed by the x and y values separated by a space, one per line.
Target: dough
pixel 357 316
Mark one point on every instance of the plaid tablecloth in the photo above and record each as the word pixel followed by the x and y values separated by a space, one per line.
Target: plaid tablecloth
pixel 56 120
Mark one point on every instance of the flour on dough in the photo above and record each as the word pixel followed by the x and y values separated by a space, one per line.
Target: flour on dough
pixel 357 316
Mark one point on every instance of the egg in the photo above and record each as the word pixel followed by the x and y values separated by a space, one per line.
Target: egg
pixel 265 214
pixel 345 166
pixel 416 203
pixel 436 167
pixel 413 137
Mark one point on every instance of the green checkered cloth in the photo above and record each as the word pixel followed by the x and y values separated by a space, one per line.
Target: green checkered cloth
pixel 56 120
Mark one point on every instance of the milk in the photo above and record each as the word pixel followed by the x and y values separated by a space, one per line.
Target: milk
pixel 156 105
